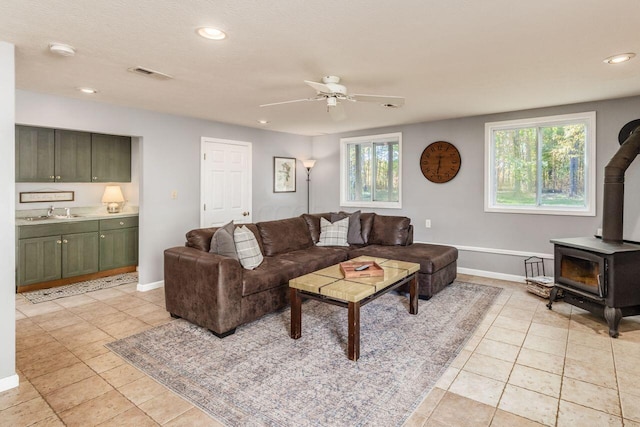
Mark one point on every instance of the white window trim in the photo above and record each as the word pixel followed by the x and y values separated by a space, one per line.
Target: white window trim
pixel 590 165
pixel 344 171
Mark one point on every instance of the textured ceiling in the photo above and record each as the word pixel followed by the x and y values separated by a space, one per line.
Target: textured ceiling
pixel 448 58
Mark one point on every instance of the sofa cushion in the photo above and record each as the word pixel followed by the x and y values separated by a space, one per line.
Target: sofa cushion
pixel 317 257
pixel 430 257
pixel 313 223
pixel 222 242
pixel 389 230
pixel 247 248
pixel 272 273
pixel 333 234
pixel 366 222
pixel 200 238
pixel 354 236
pixel 284 235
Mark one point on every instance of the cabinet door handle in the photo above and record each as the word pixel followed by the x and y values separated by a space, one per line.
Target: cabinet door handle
pixel 52 177
pixel 58 177
pixel 102 236
pixel 59 242
pixel 95 178
pixel 121 223
pixel 65 241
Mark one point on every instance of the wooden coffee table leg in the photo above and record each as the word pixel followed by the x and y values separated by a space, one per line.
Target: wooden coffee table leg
pixel 354 331
pixel 413 295
pixel 296 314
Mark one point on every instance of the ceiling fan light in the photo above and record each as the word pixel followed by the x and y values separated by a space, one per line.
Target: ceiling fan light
pixel 332 101
pixel 87 90
pixel 211 33
pixel 62 49
pixel 620 58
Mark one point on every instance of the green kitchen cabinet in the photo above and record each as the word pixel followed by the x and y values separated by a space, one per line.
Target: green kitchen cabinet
pixel 118 242
pixel 35 149
pixel 110 158
pixel 80 254
pixel 39 260
pixel 73 156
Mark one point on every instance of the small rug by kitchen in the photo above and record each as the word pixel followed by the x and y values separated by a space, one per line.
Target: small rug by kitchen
pixel 259 376
pixel 49 294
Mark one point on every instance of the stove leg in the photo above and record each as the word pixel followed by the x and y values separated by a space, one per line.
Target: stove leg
pixel 613 316
pixel 552 297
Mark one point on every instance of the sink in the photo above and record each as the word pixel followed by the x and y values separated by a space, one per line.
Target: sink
pixel 44 217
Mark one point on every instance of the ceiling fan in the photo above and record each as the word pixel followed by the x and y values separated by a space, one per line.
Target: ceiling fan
pixel 331 91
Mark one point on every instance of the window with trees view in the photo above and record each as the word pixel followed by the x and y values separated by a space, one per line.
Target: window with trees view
pixel 370 171
pixel 541 165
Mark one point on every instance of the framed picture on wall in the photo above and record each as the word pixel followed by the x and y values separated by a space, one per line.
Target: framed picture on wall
pixel 284 175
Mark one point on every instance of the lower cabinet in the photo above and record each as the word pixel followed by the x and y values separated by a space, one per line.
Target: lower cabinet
pixel 39 260
pixel 79 254
pixel 118 248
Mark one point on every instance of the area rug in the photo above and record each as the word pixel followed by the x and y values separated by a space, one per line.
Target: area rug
pixel 49 294
pixel 261 377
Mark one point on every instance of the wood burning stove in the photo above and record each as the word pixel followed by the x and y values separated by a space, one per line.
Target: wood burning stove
pixel 603 275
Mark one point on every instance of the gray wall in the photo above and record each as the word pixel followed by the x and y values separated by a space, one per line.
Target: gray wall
pixel 456 209
pixel 7 223
pixel 169 158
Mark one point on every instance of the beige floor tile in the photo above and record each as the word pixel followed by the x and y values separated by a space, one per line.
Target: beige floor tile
pixel 45 384
pixel 529 404
pixel 62 322
pixel 157 317
pixel 628 364
pixel 31 341
pixel 94 349
pixel 102 322
pixel 447 378
pixel 630 407
pixel 125 328
pixel 508 336
pixel 20 315
pixel 132 417
pixel 104 362
pixel 625 348
pixel 141 390
pixel 26 413
pixel 540 360
pixel 75 301
pixel 414 420
pixel 595 356
pixel 517 313
pixel 75 394
pixel 73 330
pixel 585 371
pixel 51 364
pixel 31 310
pixel 23 393
pixel 27 327
pixel 507 419
pixel 545 345
pixel 547 331
pixel 75 341
pixel 590 395
pixel 489 367
pixel 552 317
pixel 586 322
pixel 52 421
pixel 628 383
pixel 478 388
pixel 429 403
pixel 629 423
pixel 456 410
pixel 525 303
pixel 194 417
pixel 599 341
pixel 95 310
pixel 165 407
pixel 97 410
pixel 129 288
pixel 461 359
pixel 35 354
pixel 513 324
pixel 121 375
pixel 124 302
pixel 536 380
pixel 572 415
pixel 105 294
pixel 141 309
pixel 497 349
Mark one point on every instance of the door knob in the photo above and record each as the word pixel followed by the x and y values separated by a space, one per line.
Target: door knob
pixel 245 213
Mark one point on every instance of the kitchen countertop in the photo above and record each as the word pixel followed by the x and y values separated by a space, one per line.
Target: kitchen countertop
pixel 83 214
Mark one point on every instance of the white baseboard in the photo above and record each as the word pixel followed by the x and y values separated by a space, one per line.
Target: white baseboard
pixel 495 251
pixel 491 274
pixel 149 286
pixel 9 382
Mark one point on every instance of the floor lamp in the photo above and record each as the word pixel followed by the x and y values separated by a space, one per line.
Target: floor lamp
pixel 308 164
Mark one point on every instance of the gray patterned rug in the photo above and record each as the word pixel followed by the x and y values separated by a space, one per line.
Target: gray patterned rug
pixel 261 377
pixel 80 288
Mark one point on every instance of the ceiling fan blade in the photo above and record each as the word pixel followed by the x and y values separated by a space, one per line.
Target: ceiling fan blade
pixel 319 87
pixel 337 112
pixel 290 102
pixel 379 99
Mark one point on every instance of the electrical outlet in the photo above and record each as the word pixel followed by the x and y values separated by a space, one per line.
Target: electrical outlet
pixel 427 223
pixel 174 194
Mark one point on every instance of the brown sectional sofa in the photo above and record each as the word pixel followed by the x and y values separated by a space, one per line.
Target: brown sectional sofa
pixel 216 292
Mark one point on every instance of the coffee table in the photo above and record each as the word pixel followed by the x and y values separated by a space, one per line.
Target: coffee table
pixel 329 285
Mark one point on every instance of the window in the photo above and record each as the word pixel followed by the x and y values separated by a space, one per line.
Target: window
pixel 543 165
pixel 370 171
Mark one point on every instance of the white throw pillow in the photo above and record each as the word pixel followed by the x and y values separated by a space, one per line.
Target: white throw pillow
pixel 247 248
pixel 333 234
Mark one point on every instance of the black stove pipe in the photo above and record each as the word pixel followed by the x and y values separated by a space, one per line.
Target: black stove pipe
pixel 613 209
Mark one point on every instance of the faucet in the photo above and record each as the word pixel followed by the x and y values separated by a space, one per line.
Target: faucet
pixel 50 211
pixel 67 212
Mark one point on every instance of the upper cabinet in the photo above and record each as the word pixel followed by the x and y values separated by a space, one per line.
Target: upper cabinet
pixel 48 155
pixel 110 158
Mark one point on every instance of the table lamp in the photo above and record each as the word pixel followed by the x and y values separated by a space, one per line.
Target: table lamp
pixel 113 198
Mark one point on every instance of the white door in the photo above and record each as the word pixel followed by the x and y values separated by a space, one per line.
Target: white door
pixel 225 182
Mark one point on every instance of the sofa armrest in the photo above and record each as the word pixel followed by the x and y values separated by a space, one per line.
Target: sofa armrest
pixel 203 288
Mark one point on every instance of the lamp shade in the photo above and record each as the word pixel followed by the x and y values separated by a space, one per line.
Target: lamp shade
pixel 112 194
pixel 308 163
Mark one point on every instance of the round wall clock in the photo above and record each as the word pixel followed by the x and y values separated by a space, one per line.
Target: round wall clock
pixel 440 162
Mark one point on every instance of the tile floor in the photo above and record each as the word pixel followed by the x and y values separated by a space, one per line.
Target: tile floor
pixel 525 366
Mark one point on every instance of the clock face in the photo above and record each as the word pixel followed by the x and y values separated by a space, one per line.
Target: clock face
pixel 440 162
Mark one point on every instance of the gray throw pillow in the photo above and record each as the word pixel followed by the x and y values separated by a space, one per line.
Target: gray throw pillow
pixel 222 242
pixel 354 235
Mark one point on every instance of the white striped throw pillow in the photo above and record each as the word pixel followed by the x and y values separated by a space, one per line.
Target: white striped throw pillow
pixel 247 248
pixel 333 234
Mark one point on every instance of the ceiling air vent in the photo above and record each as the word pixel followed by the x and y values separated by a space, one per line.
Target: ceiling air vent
pixel 150 73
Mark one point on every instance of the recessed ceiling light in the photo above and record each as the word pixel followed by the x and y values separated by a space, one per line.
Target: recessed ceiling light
pixel 617 59
pixel 62 49
pixel 263 122
pixel 87 90
pixel 390 105
pixel 211 33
